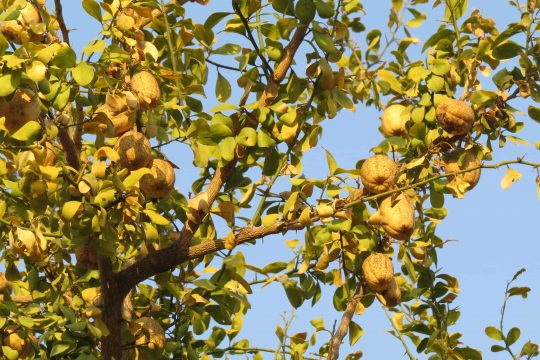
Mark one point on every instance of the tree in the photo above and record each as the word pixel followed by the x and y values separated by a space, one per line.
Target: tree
pixel 105 258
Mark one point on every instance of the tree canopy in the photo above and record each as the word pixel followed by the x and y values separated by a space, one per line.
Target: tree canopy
pixel 104 257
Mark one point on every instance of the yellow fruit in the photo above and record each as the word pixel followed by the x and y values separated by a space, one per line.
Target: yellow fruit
pixel 146 88
pixel 468 161
pixel 455 116
pixel 161 182
pixel 87 257
pixel 378 173
pixel 148 332
pixel 394 119
pixel 134 150
pixel 14 341
pixel 378 271
pixel 23 107
pixel 392 295
pixel 396 216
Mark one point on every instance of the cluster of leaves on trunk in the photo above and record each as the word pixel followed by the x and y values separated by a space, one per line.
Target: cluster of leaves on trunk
pixel 176 262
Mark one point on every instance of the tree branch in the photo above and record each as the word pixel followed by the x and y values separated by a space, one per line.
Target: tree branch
pixel 343 328
pixel 61 22
pixel 175 254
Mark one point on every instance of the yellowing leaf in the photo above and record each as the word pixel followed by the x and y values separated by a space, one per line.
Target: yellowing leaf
pixel 156 218
pixel 107 152
pixel 270 219
pixel 229 241
pixel 199 202
pixel 509 178
pixel 70 208
pixel 324 210
pixel 135 176
pixel 305 216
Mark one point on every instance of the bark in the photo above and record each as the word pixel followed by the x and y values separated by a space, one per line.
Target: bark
pixel 343 328
pixel 111 345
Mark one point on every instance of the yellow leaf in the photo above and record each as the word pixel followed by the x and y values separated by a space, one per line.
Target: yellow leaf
pixel 90 294
pixel 458 187
pixel 270 219
pixel 305 216
pixel 509 178
pixel 324 210
pixel 397 320
pixel 156 218
pixel 229 241
pixel 107 152
pixel 199 202
pixel 70 208
pixel 292 243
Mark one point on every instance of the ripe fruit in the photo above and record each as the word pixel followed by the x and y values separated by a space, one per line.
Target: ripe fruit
pixel 468 161
pixel 134 150
pixel 23 107
pixel 16 30
pixel 87 257
pixel 161 182
pixel 396 216
pixel 392 294
pixel 394 119
pixel 378 271
pixel 148 332
pixel 455 116
pixel 146 88
pixel 378 173
pixel 14 341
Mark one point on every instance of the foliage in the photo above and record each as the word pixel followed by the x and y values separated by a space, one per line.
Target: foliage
pixel 89 255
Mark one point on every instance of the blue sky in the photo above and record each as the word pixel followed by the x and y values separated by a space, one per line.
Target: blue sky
pixel 497 231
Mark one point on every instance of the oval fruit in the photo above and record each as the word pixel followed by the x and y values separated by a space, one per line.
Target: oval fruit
pixel 392 294
pixel 461 159
pixel 146 88
pixel 23 107
pixel 148 332
pixel 455 116
pixel 378 271
pixel 379 173
pixel 134 150
pixel 161 182
pixel 396 216
pixel 394 120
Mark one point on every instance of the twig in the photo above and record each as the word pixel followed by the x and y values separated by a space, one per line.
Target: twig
pixel 399 336
pixel 60 19
pixel 266 66
pixel 343 328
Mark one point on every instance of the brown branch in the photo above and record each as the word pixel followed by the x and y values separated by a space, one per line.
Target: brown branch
pixel 343 328
pixel 111 345
pixel 165 259
pixel 61 22
pixel 173 255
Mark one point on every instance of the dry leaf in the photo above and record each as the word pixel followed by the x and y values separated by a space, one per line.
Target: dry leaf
pixel 509 178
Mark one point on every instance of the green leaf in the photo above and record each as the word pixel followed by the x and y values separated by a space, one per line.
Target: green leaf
pixel 324 9
pixel 94 46
pixel 305 11
pixel 497 348
pixel 247 137
pixel 264 140
pixel 136 175
pixel 439 66
pixel 513 335
pixel 83 73
pixel 482 97
pixel 318 324
pixel 227 147
pixel 342 99
pixel 294 294
pixel 228 49
pixel 355 333
pixel 60 347
pixel 325 42
pixel 36 71
pixel 65 58
pixel 332 164
pixel 215 18
pixel 494 333
pixel 10 353
pixel 391 79
pixel 27 131
pixel 8 83
pixel 534 113
pixel 92 8
pixel 223 88
pixel 506 50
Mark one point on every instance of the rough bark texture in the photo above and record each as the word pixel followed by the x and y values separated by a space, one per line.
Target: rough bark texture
pixel 343 328
pixel 111 346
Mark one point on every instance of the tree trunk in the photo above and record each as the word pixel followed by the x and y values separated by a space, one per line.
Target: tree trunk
pixel 111 345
